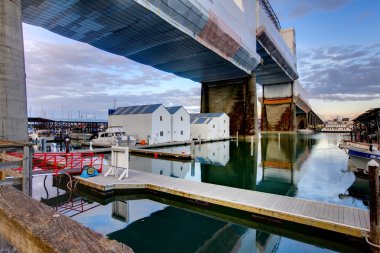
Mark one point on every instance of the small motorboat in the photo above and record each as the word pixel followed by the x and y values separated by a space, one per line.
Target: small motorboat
pixel 361 153
pixel 112 136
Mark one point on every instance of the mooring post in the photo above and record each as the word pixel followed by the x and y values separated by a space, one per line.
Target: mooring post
pixel 374 208
pixel 192 149
pixel 27 170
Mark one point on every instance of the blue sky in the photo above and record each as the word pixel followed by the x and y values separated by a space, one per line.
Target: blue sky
pixel 338 49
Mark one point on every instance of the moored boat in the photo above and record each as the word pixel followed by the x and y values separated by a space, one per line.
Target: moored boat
pixel 112 136
pixel 361 153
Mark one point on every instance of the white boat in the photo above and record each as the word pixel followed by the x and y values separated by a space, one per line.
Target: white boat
pixel 112 135
pixel 43 133
pixel 80 136
pixel 361 153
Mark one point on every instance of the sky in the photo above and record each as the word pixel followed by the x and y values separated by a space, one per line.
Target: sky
pixel 338 52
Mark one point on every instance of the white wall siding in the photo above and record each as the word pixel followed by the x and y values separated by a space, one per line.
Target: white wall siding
pixel 161 126
pixel 180 123
pixel 139 125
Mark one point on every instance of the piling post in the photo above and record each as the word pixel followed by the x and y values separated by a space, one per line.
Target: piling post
pixel 43 145
pixel 27 170
pixel 374 208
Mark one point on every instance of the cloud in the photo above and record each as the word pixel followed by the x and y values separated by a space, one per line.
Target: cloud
pixel 299 8
pixel 65 78
pixel 341 73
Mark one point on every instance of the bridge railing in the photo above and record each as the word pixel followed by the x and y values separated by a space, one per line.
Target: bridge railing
pixel 300 91
pixel 265 21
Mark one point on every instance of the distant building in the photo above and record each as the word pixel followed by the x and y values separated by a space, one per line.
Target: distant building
pixel 144 122
pixel 336 126
pixel 210 126
pixel 180 123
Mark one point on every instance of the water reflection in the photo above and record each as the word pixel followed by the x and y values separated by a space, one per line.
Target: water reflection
pixel 310 167
pixel 303 166
pixel 191 232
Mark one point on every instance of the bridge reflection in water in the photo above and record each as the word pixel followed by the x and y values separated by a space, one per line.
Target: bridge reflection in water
pixel 281 164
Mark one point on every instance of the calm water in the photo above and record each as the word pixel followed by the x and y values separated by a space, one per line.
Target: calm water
pixel 302 166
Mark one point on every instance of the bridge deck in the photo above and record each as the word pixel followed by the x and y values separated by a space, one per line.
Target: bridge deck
pixel 341 219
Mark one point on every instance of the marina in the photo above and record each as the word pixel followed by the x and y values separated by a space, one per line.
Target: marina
pixel 200 126
pixel 349 221
pixel 204 182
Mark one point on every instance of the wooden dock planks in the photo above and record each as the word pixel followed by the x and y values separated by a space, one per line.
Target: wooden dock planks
pixel 341 219
pixel 31 226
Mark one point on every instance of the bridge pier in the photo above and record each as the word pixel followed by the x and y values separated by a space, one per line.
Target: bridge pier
pixel 235 97
pixel 13 109
pixel 278 111
pixel 301 120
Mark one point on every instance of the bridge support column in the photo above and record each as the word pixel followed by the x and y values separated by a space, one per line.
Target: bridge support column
pixel 235 97
pixel 278 111
pixel 13 110
pixel 301 121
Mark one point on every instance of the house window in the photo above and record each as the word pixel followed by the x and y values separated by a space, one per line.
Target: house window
pixel 224 131
pixel 213 126
pixel 181 118
pixel 162 133
pixel 160 118
pixel 181 132
pixel 224 121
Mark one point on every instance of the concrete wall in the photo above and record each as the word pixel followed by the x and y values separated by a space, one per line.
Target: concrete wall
pixel 13 109
pixel 178 125
pixel 236 98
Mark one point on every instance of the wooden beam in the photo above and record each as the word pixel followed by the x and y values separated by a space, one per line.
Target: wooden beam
pixel 31 226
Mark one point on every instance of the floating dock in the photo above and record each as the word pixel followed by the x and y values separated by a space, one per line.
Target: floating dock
pixel 341 219
pixel 160 154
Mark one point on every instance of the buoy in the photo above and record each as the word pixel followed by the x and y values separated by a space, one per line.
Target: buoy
pixel 142 142
pixel 155 155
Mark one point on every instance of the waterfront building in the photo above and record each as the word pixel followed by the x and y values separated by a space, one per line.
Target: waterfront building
pixel 338 126
pixel 151 123
pixel 180 123
pixel 210 126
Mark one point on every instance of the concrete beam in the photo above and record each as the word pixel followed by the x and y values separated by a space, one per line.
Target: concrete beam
pixel 13 110
pixel 278 111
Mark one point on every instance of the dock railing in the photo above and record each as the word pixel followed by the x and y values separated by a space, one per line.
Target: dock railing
pixel 10 162
pixel 119 160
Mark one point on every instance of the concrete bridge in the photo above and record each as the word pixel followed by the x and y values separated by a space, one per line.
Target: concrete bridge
pixel 286 107
pixel 227 46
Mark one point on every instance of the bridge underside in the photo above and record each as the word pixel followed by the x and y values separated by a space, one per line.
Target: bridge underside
pixel 180 38
pixel 274 68
pixel 131 30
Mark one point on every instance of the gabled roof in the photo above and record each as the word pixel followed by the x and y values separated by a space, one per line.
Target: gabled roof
pixel 207 115
pixel 173 109
pixel 200 120
pixel 137 109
